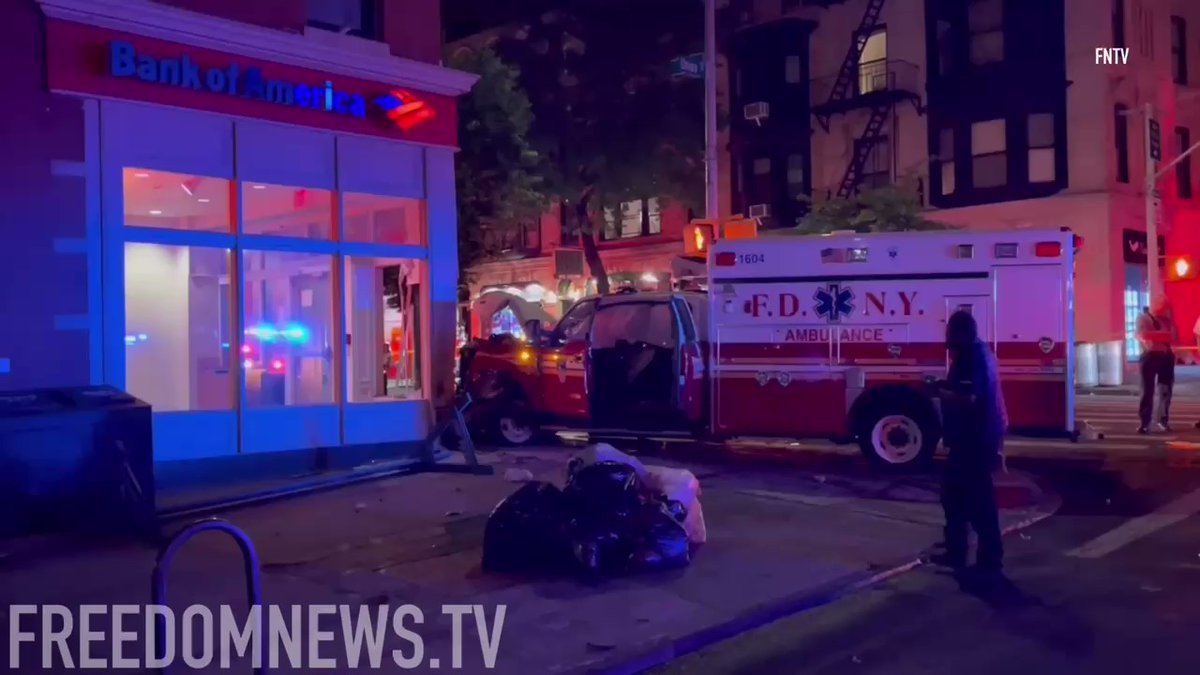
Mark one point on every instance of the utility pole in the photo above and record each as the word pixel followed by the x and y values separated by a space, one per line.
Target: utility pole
pixel 711 185
pixel 1153 138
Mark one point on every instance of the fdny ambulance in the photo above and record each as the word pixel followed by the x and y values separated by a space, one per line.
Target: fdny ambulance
pixel 836 337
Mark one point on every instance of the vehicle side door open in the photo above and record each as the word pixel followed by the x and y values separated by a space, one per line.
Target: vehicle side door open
pixel 563 366
pixel 634 365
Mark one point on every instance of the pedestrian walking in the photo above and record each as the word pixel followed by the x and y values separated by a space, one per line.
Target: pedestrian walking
pixel 975 421
pixel 1156 333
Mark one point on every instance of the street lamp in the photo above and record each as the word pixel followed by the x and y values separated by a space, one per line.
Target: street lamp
pixel 711 186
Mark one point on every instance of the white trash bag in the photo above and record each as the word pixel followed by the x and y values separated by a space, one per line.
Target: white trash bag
pixel 682 486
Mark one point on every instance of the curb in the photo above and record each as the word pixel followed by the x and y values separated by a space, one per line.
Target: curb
pixel 665 651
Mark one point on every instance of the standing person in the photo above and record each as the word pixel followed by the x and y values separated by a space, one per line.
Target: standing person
pixel 1156 333
pixel 975 421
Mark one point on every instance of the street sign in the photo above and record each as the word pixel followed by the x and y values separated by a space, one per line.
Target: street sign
pixel 1155 140
pixel 688 66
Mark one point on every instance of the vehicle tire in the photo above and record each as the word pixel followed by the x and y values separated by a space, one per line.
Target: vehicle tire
pixel 899 432
pixel 512 426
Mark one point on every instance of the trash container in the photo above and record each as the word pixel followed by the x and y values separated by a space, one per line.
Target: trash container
pixel 77 458
pixel 1087 365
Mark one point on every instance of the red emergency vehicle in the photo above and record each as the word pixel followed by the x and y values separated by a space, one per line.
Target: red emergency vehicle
pixel 835 337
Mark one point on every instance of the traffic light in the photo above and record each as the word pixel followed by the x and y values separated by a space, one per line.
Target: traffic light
pixel 698 237
pixel 1181 267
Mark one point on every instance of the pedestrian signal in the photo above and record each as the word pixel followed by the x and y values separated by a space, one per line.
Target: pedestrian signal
pixel 1181 267
pixel 698 237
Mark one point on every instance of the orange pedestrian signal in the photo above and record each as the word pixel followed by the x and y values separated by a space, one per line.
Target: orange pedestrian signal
pixel 741 228
pixel 1181 267
pixel 698 237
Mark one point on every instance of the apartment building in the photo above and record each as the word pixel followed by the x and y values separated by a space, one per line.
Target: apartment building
pixel 242 213
pixel 996 110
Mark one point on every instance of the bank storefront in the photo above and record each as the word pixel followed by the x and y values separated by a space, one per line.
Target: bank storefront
pixel 274 242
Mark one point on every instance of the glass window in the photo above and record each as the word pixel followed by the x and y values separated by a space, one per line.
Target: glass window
pixel 287 356
pixel 947 173
pixel 988 137
pixel 383 326
pixel 1179 50
pixel 762 166
pixel 1042 165
pixel 284 211
pixel 634 322
pixel 383 220
pixel 1121 138
pixel 575 325
pixel 356 17
pixel 985 22
pixel 176 201
pixel 945 47
pixel 989 163
pixel 945 159
pixel 654 215
pixel 795 170
pixel 791 69
pixel 1183 170
pixel 177 319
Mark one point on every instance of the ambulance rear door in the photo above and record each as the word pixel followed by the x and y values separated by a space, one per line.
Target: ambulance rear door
pixel 1033 346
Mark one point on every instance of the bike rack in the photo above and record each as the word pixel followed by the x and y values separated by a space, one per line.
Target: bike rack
pixel 166 555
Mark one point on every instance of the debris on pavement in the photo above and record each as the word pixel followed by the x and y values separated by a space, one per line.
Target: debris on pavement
pixel 611 518
pixel 515 475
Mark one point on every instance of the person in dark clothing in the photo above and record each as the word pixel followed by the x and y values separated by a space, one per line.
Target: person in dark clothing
pixel 975 423
pixel 1156 333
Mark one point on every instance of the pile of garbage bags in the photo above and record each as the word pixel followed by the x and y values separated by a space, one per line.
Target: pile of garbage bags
pixel 614 516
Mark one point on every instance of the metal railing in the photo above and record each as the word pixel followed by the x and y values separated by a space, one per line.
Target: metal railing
pixel 872 77
pixel 166 555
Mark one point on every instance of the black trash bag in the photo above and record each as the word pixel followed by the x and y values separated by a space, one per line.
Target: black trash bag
pixel 675 508
pixel 526 532
pixel 659 541
pixel 604 489
pixel 600 547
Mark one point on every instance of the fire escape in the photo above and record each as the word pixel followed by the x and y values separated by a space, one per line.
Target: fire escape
pixel 876 86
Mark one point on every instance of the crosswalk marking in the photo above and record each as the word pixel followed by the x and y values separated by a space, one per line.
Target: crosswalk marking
pixel 1138 528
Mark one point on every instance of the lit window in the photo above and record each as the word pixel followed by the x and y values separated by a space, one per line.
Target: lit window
pixel 383 220
pixel 383 321
pixel 356 17
pixel 288 315
pixel 178 342
pixel 989 157
pixel 1041 148
pixel 945 160
pixel 284 211
pixel 176 201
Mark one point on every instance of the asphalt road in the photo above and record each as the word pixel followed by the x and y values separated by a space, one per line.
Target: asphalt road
pixel 1111 584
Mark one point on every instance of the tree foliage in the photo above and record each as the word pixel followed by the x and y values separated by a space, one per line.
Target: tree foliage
pixel 500 176
pixel 889 208
pixel 608 117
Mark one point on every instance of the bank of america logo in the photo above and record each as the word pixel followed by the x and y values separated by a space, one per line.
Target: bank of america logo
pixel 405 110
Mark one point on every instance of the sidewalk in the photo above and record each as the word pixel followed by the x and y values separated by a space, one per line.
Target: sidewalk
pixel 780 540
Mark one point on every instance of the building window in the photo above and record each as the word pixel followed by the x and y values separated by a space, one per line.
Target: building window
pixel 795 176
pixel 985 21
pixel 653 216
pixel 872 64
pixel 376 219
pixel 177 327
pixel 1118 23
pixel 877 170
pixel 1179 50
pixel 174 201
pixel 383 300
pixel 791 69
pixel 1041 148
pixel 288 314
pixel 944 160
pixel 989 154
pixel 1121 136
pixel 355 17
pixel 945 47
pixel 284 211
pixel 1183 170
pixel 758 188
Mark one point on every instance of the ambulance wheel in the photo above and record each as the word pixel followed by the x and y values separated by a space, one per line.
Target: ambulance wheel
pixel 899 434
